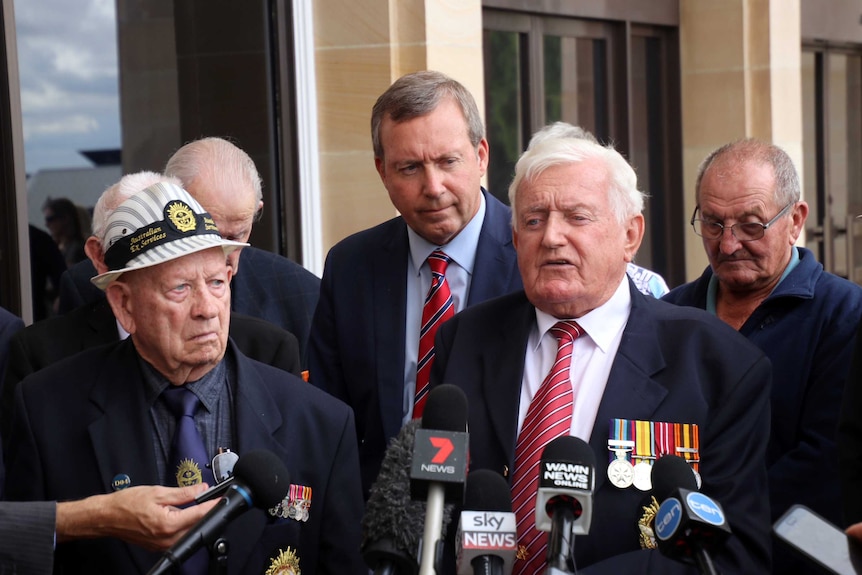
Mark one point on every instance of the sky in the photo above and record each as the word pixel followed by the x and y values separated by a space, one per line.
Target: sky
pixel 67 64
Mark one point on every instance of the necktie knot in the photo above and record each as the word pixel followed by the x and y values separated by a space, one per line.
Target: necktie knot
pixel 566 331
pixel 438 261
pixel 181 401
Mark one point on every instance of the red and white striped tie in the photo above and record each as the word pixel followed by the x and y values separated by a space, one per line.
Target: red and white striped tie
pixel 438 307
pixel 548 417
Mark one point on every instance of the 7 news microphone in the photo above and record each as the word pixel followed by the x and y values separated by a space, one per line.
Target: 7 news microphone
pixel 439 467
pixel 487 538
pixel 688 525
pixel 260 480
pixel 564 501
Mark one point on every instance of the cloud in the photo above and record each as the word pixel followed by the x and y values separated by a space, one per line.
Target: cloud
pixel 67 63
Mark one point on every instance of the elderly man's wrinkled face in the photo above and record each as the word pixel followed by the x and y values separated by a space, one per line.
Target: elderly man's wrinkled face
pixel 178 313
pixel 572 251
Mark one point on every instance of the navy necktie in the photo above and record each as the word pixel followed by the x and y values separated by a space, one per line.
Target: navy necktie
pixel 188 457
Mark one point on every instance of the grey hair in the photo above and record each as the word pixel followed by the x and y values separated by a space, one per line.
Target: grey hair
pixel 214 157
pixel 119 192
pixel 732 156
pixel 560 130
pixel 419 94
pixel 558 147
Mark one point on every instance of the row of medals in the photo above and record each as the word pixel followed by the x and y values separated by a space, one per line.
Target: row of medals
pixel 623 474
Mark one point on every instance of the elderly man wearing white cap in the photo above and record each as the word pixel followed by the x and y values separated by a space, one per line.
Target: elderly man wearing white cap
pixel 157 407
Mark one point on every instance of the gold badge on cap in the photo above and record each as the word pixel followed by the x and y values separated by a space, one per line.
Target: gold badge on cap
pixel 182 216
pixel 188 473
pixel 286 563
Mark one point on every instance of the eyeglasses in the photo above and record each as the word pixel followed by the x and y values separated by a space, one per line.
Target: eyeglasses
pixel 744 231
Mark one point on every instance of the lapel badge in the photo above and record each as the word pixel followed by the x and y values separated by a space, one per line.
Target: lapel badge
pixel 647 535
pixel 120 481
pixel 286 563
pixel 295 505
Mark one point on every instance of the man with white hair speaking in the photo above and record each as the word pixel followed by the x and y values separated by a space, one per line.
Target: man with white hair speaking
pixel 156 407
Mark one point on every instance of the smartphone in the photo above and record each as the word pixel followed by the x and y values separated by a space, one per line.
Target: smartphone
pixel 821 541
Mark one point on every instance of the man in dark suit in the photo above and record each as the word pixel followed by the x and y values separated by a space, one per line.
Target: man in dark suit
pixel 630 369
pixel 104 418
pixel 431 154
pixel 223 178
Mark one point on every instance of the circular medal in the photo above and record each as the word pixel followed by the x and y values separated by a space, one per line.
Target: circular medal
pixel 305 514
pixel 291 512
pixel 621 473
pixel 697 478
pixel 642 476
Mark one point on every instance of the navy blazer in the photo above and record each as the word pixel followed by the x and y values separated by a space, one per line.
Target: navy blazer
pixel 268 286
pixel 356 349
pixel 673 364
pixel 84 420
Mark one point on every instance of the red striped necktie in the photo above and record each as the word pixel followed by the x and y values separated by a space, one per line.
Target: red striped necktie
pixel 548 417
pixel 438 308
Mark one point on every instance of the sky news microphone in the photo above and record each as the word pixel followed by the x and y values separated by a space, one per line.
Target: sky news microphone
pixel 439 466
pixel 487 537
pixel 260 480
pixel 688 525
pixel 564 502
pixel 393 523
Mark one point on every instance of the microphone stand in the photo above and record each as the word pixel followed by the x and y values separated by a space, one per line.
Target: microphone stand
pixel 218 556
pixel 433 527
pixel 704 562
pixel 561 543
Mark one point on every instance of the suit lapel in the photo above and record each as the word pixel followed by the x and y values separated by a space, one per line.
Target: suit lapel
pixel 121 440
pixel 389 275
pixel 495 263
pixel 504 366
pixel 631 392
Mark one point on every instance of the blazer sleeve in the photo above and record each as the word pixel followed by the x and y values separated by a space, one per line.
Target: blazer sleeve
pixel 27 537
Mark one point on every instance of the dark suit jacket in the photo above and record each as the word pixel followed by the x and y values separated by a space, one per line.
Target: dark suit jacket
pixel 27 537
pixel 267 286
pixel 673 364
pixel 91 325
pixel 83 420
pixel 356 350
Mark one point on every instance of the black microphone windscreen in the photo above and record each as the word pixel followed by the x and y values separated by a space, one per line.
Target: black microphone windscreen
pixel 487 491
pixel 445 409
pixel 670 472
pixel 569 448
pixel 390 514
pixel 265 474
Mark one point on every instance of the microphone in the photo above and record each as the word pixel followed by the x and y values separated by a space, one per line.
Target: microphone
pixel 564 501
pixel 487 538
pixel 260 480
pixel 392 524
pixel 439 466
pixel 688 525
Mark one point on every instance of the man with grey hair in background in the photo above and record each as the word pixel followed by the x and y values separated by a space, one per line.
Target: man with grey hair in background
pixel 372 337
pixel 224 179
pixel 749 213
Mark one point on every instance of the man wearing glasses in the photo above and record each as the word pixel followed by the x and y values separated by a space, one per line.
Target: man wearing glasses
pixel 749 214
